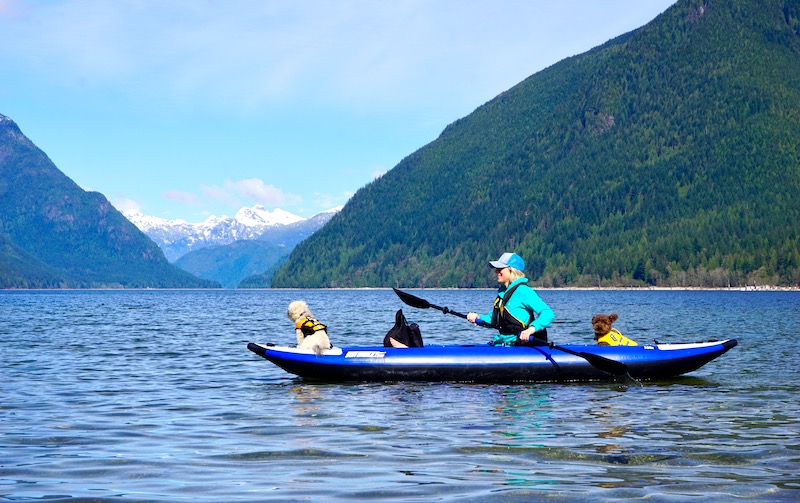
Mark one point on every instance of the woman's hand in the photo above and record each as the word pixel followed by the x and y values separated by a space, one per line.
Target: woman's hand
pixel 471 317
pixel 526 334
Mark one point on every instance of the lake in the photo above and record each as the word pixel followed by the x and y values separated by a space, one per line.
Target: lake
pixel 152 395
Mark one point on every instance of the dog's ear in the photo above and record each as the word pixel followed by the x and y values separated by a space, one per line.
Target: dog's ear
pixel 613 317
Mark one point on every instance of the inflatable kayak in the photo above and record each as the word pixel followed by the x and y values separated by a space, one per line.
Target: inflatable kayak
pixel 492 364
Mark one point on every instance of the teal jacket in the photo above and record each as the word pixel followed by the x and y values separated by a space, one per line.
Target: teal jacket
pixel 525 305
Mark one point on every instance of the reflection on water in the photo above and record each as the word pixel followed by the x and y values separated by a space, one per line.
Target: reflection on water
pixel 153 395
pixel 610 426
pixel 522 405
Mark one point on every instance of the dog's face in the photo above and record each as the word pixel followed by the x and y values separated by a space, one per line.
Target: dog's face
pixel 601 323
pixel 296 310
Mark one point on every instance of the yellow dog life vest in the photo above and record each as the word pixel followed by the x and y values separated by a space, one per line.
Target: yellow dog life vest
pixel 309 325
pixel 614 338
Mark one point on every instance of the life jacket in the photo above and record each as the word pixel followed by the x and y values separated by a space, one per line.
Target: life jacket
pixel 507 324
pixel 309 325
pixel 615 338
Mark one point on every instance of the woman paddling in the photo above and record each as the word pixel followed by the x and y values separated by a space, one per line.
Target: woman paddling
pixel 519 314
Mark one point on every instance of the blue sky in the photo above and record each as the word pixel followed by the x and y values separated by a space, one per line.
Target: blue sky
pixel 186 108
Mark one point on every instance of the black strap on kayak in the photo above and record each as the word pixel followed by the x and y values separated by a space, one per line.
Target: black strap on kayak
pixel 547 356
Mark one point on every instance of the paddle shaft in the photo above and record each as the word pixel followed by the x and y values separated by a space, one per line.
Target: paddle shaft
pixel 447 310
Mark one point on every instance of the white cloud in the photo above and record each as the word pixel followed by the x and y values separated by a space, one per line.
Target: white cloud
pixel 251 191
pixel 378 172
pixel 126 205
pixel 181 197
pixel 254 188
pixel 12 8
pixel 220 194
pixel 323 202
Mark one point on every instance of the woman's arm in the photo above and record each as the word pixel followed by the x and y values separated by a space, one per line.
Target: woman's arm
pixel 532 302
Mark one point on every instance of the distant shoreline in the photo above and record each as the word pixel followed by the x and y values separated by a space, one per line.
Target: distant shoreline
pixel 546 288
pixel 570 288
pixel 687 288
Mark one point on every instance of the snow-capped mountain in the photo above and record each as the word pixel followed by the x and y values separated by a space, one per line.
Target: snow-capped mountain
pixel 178 237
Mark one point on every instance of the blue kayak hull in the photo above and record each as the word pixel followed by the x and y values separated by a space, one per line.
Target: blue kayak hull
pixel 485 363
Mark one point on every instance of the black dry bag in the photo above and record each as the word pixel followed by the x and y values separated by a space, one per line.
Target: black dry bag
pixel 403 332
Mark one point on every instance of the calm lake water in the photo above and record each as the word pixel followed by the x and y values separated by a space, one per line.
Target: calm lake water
pixel 153 396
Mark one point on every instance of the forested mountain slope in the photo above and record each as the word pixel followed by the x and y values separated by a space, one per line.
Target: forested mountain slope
pixel 53 234
pixel 232 263
pixel 667 156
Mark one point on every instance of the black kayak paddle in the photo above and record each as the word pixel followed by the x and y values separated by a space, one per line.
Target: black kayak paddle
pixel 613 367
pixel 415 301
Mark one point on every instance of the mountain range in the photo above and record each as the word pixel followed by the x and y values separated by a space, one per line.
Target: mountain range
pixel 178 237
pixel 668 156
pixel 228 250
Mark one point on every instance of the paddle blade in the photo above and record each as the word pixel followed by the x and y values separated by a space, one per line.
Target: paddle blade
pixel 412 300
pixel 613 367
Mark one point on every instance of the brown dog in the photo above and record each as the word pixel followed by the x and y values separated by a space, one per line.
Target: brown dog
pixel 605 334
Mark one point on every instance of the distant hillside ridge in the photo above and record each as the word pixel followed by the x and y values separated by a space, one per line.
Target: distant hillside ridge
pixel 232 263
pixel 53 234
pixel 669 156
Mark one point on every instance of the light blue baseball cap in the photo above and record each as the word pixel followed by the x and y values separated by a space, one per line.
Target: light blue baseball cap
pixel 508 260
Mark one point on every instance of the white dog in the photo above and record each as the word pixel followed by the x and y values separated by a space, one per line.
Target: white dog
pixel 311 334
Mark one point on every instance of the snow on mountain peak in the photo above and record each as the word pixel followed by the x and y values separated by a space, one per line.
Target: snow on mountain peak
pixel 146 222
pixel 260 216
